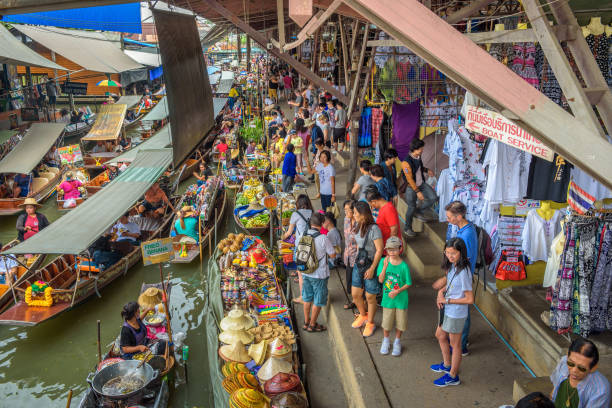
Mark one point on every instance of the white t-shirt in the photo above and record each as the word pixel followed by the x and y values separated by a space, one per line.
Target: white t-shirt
pixel 508 173
pixel 7 263
pixel 538 234
pixel 323 247
pixel 325 175
pixel 444 190
pixel 334 237
pixel 120 229
pixel 301 226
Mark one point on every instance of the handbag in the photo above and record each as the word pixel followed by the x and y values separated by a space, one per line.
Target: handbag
pixel 363 261
pixel 334 209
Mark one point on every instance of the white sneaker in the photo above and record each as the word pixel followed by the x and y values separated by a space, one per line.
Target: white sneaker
pixel 384 348
pixel 397 349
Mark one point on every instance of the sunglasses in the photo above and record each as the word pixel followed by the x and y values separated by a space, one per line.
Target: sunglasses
pixel 572 365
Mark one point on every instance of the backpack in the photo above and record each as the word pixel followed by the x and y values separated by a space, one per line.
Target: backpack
pixel 306 254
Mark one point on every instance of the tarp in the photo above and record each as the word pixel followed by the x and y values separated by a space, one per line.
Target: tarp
pixel 82 226
pixel 15 52
pixel 32 148
pixel 227 75
pixel 151 59
pixel 129 100
pixel 214 78
pixel 186 77
pixel 218 104
pixel 159 111
pixel 121 17
pixel 5 135
pixel 225 85
pixel 156 73
pixel 212 69
pixel 108 123
pixel 159 140
pixel 89 49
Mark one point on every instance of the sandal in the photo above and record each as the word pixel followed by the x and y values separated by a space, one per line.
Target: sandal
pixel 306 326
pixel 349 305
pixel 317 328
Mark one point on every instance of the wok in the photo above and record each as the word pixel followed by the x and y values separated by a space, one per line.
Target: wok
pixel 99 379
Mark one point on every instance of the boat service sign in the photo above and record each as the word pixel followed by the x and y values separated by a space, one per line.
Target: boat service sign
pixel 496 126
pixel 157 251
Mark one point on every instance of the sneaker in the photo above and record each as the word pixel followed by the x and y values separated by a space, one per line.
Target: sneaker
pixel 465 352
pixel 397 349
pixel 409 233
pixel 440 368
pixel 445 380
pixel 369 329
pixel 384 348
pixel 422 217
pixel 359 321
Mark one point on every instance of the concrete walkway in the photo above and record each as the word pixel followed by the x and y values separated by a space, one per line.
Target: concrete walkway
pixel 346 370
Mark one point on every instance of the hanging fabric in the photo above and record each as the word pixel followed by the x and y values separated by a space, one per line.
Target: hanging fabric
pixel 406 119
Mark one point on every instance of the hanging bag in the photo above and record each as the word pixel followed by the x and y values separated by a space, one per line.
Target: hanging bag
pixel 363 261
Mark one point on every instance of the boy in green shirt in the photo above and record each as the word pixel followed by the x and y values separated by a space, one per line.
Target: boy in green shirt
pixel 394 275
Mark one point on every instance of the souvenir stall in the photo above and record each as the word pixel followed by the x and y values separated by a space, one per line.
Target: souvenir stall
pixel 258 362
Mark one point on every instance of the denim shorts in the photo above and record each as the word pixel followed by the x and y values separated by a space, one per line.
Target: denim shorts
pixel 314 290
pixel 372 286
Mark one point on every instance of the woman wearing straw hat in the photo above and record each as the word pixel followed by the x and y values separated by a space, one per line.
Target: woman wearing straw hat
pixel 30 222
pixel 187 223
pixel 69 189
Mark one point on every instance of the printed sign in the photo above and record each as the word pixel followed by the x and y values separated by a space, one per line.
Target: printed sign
pixel 156 251
pixel 75 88
pixel 70 154
pixel 496 126
pixel 523 206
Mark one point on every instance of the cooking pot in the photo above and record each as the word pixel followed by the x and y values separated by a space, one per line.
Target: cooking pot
pixel 97 380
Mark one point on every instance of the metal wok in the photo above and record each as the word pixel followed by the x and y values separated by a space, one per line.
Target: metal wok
pixel 127 367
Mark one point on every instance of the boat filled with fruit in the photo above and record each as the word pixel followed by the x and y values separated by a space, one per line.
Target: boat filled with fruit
pixel 249 213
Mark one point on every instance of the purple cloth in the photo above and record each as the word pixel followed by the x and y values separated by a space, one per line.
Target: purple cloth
pixel 406 122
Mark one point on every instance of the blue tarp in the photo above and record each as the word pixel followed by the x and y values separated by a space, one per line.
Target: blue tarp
pixel 156 73
pixel 213 69
pixel 121 17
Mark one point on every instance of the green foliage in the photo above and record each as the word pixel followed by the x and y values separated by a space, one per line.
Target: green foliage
pixel 252 130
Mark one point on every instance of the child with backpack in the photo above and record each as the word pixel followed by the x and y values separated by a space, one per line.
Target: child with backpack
pixel 311 256
pixel 394 275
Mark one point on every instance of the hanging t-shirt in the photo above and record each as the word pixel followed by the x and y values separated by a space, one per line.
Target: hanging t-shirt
pixel 396 276
pixel 549 180
pixel 508 173
pixel 538 234
pixel 444 190
pixel 589 185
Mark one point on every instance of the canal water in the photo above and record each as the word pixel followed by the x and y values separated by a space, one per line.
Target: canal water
pixel 39 365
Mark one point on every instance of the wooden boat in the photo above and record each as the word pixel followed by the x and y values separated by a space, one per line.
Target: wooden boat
pixel 234 184
pixel 41 188
pixel 27 267
pixel 92 186
pixel 191 165
pixel 206 232
pixel 138 114
pixel 80 129
pixel 257 231
pixel 71 287
pixel 158 392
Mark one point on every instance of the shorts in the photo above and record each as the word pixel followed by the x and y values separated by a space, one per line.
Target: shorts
pixel 314 290
pixel 453 325
pixel 372 286
pixel 339 135
pixel 152 206
pixel 272 93
pixel 395 319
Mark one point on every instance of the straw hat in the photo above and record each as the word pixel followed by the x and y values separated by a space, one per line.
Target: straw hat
pixel 289 400
pixel 257 351
pixel 30 201
pixel 309 122
pixel 235 153
pixel 232 336
pixel 272 367
pixel 234 352
pixel 188 240
pixel 278 348
pixel 149 298
pixel 248 398
pixel 187 211
pixel 236 319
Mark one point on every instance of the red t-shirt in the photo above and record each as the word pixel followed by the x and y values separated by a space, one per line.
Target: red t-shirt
pixel 222 147
pixel 387 217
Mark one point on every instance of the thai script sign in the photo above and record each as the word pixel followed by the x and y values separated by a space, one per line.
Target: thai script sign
pixel 70 154
pixel 496 126
pixel 156 251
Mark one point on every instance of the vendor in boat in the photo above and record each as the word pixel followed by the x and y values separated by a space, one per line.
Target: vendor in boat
pixel 133 339
pixel 100 147
pixel 8 268
pixel 251 147
pixel 123 144
pixel 52 158
pixel 30 222
pixel 154 200
pixel 69 189
pixel 203 172
pixel 21 185
pixel 186 224
pixel 126 231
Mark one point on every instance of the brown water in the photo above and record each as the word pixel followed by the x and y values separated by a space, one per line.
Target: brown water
pixel 39 365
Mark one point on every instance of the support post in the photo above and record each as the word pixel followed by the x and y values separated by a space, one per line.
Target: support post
pixel 280 13
pixel 248 53
pixel 344 53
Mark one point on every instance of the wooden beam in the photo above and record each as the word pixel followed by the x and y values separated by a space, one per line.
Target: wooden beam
pixel 572 89
pixel 345 56
pixel 467 11
pixel 280 15
pixel 445 48
pixel 353 39
pixel 301 37
pixel 260 39
pixel 584 60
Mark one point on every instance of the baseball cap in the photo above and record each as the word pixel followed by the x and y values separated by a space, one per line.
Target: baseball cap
pixel 393 243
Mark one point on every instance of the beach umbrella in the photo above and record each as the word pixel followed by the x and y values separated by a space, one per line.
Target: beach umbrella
pixel 108 82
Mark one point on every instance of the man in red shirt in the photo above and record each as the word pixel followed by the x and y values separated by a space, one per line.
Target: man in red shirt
pixel 388 220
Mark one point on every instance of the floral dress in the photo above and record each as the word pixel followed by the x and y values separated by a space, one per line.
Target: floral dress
pixel 350 245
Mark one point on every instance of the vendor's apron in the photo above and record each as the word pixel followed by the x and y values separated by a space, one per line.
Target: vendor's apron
pixel 141 338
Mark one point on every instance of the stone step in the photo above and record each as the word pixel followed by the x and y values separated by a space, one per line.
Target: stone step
pixel 423 257
pixel 436 231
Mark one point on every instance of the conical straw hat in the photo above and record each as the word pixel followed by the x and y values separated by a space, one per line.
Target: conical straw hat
pixel 257 351
pixel 234 352
pixel 236 319
pixel 278 348
pixel 232 336
pixel 149 298
pixel 272 367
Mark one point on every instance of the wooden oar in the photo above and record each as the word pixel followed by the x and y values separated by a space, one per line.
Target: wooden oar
pixel 69 399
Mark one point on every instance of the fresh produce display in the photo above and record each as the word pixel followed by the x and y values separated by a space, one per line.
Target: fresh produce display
pixel 249 212
pixel 260 220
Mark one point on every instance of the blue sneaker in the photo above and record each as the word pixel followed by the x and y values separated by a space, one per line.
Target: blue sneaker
pixel 445 380
pixel 440 368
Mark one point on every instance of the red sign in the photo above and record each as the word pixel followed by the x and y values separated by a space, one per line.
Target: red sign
pixel 497 126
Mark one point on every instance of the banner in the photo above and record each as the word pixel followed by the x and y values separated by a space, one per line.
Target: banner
pixel 108 123
pixel 496 126
pixel 157 251
pixel 70 154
